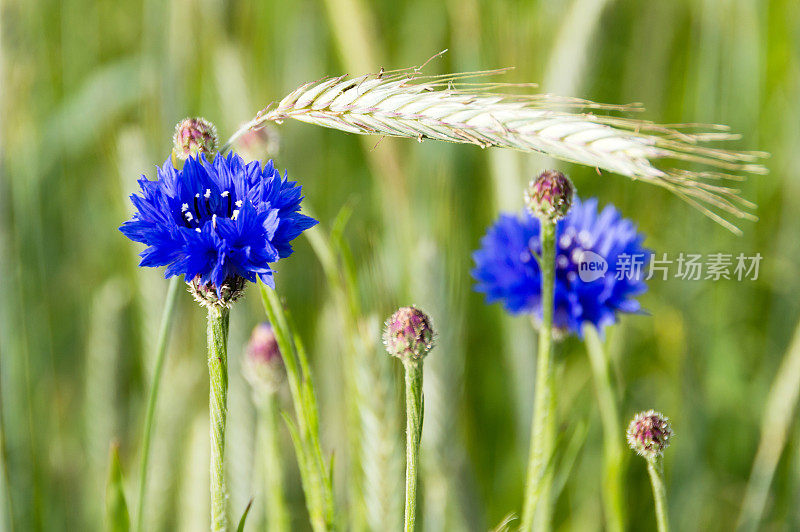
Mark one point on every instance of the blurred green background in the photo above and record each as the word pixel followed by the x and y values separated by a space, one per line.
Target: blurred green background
pixel 90 91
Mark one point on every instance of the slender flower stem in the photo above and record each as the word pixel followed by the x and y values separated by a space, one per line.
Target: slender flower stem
pixel 414 413
pixel 612 431
pixel 277 513
pixel 656 469
pixel 536 504
pixel 6 505
pixel 218 398
pixel 161 351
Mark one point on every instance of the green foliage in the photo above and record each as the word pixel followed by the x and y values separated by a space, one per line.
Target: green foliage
pixel 243 519
pixel 117 517
pixel 316 475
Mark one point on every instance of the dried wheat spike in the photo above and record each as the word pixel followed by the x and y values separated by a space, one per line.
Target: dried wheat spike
pixel 406 103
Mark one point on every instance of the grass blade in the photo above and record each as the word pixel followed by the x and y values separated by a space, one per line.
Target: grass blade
pixel 240 528
pixel 117 517
pixel 778 419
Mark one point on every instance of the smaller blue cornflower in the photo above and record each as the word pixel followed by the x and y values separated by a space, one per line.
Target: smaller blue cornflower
pixel 600 263
pixel 217 223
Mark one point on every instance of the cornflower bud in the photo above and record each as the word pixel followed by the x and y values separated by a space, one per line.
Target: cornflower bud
pixel 649 434
pixel 194 136
pixel 408 334
pixel 263 365
pixel 549 196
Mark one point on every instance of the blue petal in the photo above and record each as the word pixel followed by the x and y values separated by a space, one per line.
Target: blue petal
pixel 506 272
pixel 190 227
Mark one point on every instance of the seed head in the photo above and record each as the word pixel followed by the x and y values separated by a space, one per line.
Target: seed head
pixel 408 334
pixel 549 196
pixel 263 365
pixel 194 136
pixel 649 434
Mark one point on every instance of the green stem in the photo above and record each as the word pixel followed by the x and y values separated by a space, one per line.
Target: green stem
pixel 612 432
pixel 414 412
pixel 6 507
pixel 656 469
pixel 275 501
pixel 161 350
pixel 218 398
pixel 538 486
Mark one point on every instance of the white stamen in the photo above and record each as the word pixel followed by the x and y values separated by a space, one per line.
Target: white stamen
pixel 198 229
pixel 208 193
pixel 188 216
pixel 225 194
pixel 184 207
pixel 235 214
pixel 238 203
pixel 214 220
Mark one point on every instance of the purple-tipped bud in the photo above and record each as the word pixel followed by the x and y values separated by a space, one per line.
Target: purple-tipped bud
pixel 263 365
pixel 263 346
pixel 549 196
pixel 194 136
pixel 408 334
pixel 258 144
pixel 649 434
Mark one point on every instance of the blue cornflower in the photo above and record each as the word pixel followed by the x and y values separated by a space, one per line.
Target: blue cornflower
pixel 506 267
pixel 218 222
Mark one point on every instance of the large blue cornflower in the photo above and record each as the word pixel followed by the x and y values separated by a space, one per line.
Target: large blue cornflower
pixel 506 267
pixel 217 222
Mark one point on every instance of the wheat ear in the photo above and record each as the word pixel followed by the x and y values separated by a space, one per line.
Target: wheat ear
pixel 407 103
